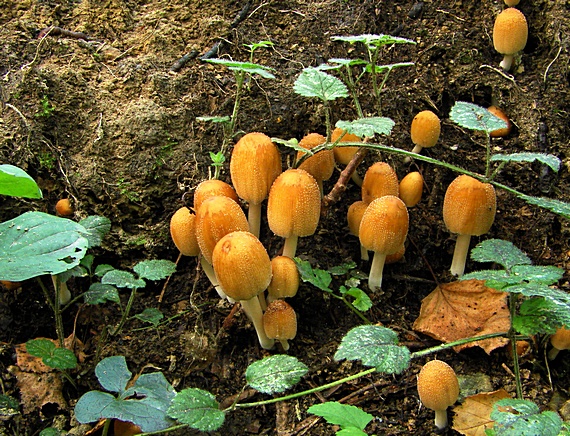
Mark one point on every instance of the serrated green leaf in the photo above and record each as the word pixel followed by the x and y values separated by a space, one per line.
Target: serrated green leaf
pixel 15 182
pixel 475 117
pixel 50 431
pixel 158 392
pixel 113 373
pixel 388 68
pixel 151 315
pixel 246 67
pixel 341 62
pixel 315 83
pixel 373 41
pixel 317 277
pixel 539 316
pixel 361 301
pixel 156 269
pixel 523 418
pixel 499 251
pixel 341 414
pixel 36 243
pixel 547 159
pixel 367 126
pixel 197 409
pixel 343 269
pixel 275 373
pixel 556 206
pixel 8 406
pixel 374 346
pixel 52 356
pixel 351 431
pixel 99 293
pixel 496 279
pixel 122 279
pixel 103 269
pixel 214 119
pixel 546 275
pixel 560 298
pixel 97 227
pixel 87 262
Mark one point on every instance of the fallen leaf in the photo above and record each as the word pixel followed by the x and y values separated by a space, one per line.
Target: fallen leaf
pixel 473 417
pixel 464 309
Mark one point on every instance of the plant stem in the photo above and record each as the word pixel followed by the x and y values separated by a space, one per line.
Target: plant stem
pixel 54 304
pixel 442 347
pixel 166 430
pixel 354 309
pixel 512 335
pixel 106 427
pixel 488 157
pixel 126 311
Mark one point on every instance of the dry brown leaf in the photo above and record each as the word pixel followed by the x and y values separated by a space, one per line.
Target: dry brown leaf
pixel 464 309
pixel 474 416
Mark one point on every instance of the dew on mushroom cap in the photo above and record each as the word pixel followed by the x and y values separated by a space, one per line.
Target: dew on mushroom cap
pixel 212 188
pixel 285 280
pixel 319 165
pixel 380 180
pixel 183 232
pixel 510 34
pixel 425 130
pixel 280 322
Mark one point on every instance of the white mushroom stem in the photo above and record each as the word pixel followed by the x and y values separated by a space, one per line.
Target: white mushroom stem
pixel 364 253
pixel 417 149
pixel 209 270
pixel 262 301
pixel 460 255
pixel 441 418
pixel 254 218
pixel 376 270
pixel 284 344
pixel 62 291
pixel 553 353
pixel 507 62
pixel 252 309
pixel 290 247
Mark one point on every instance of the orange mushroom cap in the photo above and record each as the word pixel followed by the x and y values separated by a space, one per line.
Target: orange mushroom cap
pixel 319 165
pixel 510 34
pixel 285 280
pixel 213 188
pixel 183 232
pixel 499 113
pixel 64 207
pixel 280 322
pixel 438 389
pixel 411 188
pixel 380 180
pixel 559 341
pixel 425 130
pixel 343 155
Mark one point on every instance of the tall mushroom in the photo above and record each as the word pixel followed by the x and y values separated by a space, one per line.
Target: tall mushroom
pixel 510 34
pixel 438 388
pixel 293 207
pixel 383 229
pixel 243 269
pixel 319 165
pixel 254 165
pixel 354 217
pixel 469 208
pixel 380 180
pixel 425 130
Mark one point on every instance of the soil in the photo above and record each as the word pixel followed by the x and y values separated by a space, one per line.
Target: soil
pixel 117 133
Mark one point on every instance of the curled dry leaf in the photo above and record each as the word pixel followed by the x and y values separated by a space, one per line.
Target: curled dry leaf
pixel 473 416
pixel 464 309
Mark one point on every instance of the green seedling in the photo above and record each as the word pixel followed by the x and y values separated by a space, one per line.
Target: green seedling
pixel 257 45
pixel 46 109
pixel 144 403
pixel 241 71
pixel 150 315
pixel 55 357
pixel 355 298
pixel 351 419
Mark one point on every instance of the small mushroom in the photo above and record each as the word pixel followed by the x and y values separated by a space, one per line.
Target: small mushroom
pixel 254 165
pixel 468 209
pixel 383 229
pixel 64 208
pixel 425 130
pixel 243 270
pixel 213 188
pixel 183 232
pixel 559 341
pixel 512 2
pixel 285 280
pixel 280 322
pixel 510 34
pixel 343 155
pixel 354 217
pixel 438 388
pixel 293 207
pixel 499 113
pixel 380 180
pixel 411 188
pixel 319 165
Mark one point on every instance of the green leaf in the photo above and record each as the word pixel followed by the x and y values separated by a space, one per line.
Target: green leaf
pixel 475 117
pixel 547 159
pixel 113 373
pixel 103 269
pixel 351 431
pixel 122 279
pixel 315 83
pixel 388 68
pixel 522 417
pixel 150 315
pixel 197 409
pixel 361 301
pixel 15 182
pixel 343 269
pixel 373 41
pixel 245 67
pixel 8 406
pixel 367 126
pixel 556 206
pixel 317 277
pixel 496 279
pixel 97 227
pixel 100 293
pixel 36 243
pixel 275 373
pixel 50 431
pixel 214 119
pixel 499 251
pixel 540 316
pixel 158 392
pixel 341 62
pixel 156 269
pixel 560 298
pixel 342 414
pixel 374 346
pixel 546 275
pixel 52 356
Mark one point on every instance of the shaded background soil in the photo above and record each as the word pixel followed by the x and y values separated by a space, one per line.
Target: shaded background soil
pixel 117 133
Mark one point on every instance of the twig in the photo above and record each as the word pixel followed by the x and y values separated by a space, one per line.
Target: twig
pixel 551 63
pixel 501 72
pixel 58 31
pixel 177 66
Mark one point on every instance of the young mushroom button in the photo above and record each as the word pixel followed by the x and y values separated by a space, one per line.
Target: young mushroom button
pixel 321 164
pixel 280 322
pixel 285 280
pixel 380 180
pixel 559 341
pixel 510 34
pixel 183 232
pixel 243 269
pixel 425 130
pixel 438 389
